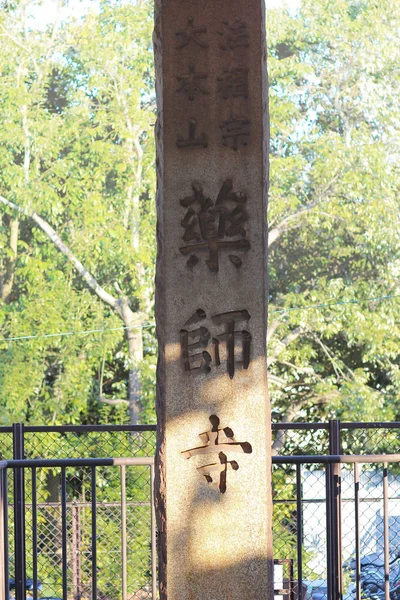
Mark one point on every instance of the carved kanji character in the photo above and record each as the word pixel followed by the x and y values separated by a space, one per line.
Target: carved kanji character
pixel 235 132
pixel 191 141
pixel 229 320
pixel 207 224
pixel 234 35
pixel 192 83
pixel 234 83
pixel 192 34
pixel 215 441
pixel 195 339
pixel 193 344
pixel 210 471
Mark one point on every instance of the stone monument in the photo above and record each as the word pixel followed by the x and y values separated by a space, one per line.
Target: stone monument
pixel 213 486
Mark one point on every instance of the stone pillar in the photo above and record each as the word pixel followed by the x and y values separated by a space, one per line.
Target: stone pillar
pixel 213 488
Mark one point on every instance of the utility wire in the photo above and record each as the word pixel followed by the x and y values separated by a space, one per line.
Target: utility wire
pixel 150 324
pixel 86 332
pixel 327 304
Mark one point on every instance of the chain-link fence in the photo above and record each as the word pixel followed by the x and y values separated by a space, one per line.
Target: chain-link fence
pixel 87 530
pixel 339 524
pixel 303 496
pixel 122 511
pixel 335 437
pixel 83 441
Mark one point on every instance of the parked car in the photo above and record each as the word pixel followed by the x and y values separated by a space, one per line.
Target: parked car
pixel 28 584
pixel 316 589
pixel 372 576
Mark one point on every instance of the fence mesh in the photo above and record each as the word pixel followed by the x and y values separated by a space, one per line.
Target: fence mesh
pixel 6 445
pixel 89 444
pixel 300 519
pixel 356 438
pixel 310 513
pixel 110 515
pixel 300 441
pixel 371 440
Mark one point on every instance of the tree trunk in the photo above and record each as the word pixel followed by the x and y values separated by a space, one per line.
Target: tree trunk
pixel 7 276
pixel 132 321
pixel 135 350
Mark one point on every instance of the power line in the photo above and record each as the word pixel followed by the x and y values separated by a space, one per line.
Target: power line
pixel 150 324
pixel 86 332
pixel 327 304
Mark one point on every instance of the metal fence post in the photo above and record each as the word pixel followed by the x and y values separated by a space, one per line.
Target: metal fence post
pixel 334 533
pixel 334 436
pixel 19 514
pixel 386 556
pixel 76 551
pixel 4 594
pixel 299 533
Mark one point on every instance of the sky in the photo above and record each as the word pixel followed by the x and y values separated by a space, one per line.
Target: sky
pixel 44 14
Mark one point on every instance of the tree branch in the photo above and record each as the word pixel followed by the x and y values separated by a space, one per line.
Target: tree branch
pixel 291 413
pixel 57 241
pixel 113 401
pixel 282 344
pixel 275 232
pixel 7 275
pixel 306 370
pixel 272 328
pixel 340 374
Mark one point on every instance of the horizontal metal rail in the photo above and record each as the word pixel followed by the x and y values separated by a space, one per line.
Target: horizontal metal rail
pixel 149 460
pixel 139 428
pixel 371 425
pixel 137 461
pixel 86 428
pixel 280 426
pixel 343 425
pixel 328 459
pixel 74 504
pixel 19 467
pixel 78 428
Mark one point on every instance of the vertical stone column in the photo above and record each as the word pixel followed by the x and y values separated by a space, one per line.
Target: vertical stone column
pixel 213 483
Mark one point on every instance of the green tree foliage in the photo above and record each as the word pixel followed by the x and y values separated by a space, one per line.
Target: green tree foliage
pixel 334 208
pixel 77 150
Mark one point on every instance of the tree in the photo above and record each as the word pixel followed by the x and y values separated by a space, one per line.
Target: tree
pixel 333 209
pixel 77 159
pixel 78 98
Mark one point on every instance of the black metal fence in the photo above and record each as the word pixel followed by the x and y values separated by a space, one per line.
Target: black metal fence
pixel 77 539
pixel 75 547
pixel 98 441
pixel 355 556
pixel 76 441
pixel 336 519
pixel 336 437
pixel 337 509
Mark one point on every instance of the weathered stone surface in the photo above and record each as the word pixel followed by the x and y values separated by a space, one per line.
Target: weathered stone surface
pixel 214 503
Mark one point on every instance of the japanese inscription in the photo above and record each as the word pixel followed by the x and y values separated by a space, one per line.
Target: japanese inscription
pixel 234 35
pixel 233 83
pixel 218 441
pixel 201 349
pixel 208 223
pixel 192 83
pixel 235 132
pixel 192 141
pixel 217 226
pixel 192 33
